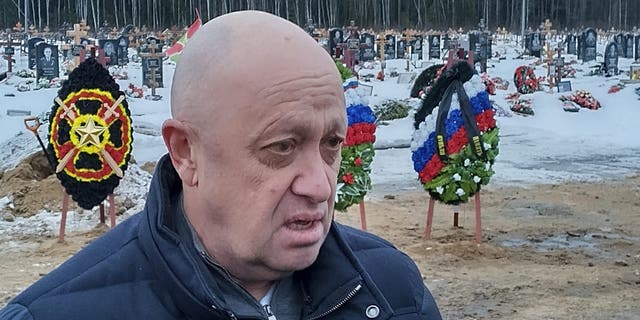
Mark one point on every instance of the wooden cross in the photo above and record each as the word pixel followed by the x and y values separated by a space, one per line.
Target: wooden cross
pixel 77 33
pixel 152 54
pixel 32 29
pixel 547 26
pixel 9 55
pixel 114 33
pixel 381 43
pixel 549 60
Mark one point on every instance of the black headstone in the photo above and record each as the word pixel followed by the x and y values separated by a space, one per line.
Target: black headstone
pixel 367 51
pixel 434 46
pixel 123 50
pixel 152 63
pixel 31 48
pixel 571 44
pixel 110 48
pixel 400 53
pixel 628 46
pixel 611 58
pixel 489 47
pixel 416 46
pixel 590 44
pixel 637 41
pixel 390 46
pixel 47 65
pixel 336 36
pixel 535 46
pixel 446 45
pixel 619 39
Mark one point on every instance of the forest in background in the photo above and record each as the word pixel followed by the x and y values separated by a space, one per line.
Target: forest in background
pixel 376 14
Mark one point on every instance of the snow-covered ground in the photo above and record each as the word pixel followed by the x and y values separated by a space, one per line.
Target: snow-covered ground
pixel 551 147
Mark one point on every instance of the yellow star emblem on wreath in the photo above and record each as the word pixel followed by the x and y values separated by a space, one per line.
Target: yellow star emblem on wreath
pixel 90 133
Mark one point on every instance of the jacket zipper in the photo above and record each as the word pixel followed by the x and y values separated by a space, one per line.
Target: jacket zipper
pixel 339 304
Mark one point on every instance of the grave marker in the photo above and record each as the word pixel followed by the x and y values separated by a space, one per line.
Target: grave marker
pixel 123 50
pixel 628 47
pixel 335 38
pixel 110 48
pixel 589 45
pixel 637 52
pixel 9 51
pixel 434 46
pixel 571 44
pixel 390 46
pixel 47 65
pixel 152 65
pixel 611 58
pixel 31 47
pixel 416 46
pixel 619 40
pixel 367 41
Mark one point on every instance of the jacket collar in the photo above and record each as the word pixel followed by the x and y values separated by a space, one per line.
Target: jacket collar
pixel 335 277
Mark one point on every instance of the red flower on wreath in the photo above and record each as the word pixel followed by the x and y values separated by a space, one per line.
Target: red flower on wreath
pixel 348 178
pixel 358 162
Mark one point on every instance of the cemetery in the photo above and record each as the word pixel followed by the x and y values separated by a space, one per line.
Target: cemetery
pixel 502 156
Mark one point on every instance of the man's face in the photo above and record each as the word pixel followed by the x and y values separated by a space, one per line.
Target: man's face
pixel 47 53
pixel 267 169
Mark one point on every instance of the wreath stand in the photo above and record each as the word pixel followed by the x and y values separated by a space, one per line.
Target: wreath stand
pixel 65 209
pixel 429 224
pixel 454 55
pixel 363 217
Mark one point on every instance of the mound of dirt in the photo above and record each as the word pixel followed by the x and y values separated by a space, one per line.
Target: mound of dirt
pixel 32 187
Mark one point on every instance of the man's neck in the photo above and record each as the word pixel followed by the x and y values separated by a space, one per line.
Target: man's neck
pixel 257 289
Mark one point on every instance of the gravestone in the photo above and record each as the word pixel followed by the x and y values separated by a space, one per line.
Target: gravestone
pixel 611 58
pixel 619 39
pixel 9 51
pixel 367 52
pixel 390 46
pixel 535 45
pixel 571 44
pixel 416 46
pixel 123 50
pixel 590 44
pixel 490 47
pixel 479 43
pixel 152 64
pixel 434 46
pixel 580 48
pixel 402 45
pixel 336 36
pixel 637 41
pixel 446 45
pixel 110 48
pixel 47 65
pixel 31 48
pixel 628 47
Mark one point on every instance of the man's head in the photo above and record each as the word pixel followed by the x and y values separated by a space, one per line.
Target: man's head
pixel 258 119
pixel 47 53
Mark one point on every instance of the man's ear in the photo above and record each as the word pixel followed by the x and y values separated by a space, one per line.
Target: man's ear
pixel 179 140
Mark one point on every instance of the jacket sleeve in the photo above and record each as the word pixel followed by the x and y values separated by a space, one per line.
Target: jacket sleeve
pixel 429 309
pixel 15 311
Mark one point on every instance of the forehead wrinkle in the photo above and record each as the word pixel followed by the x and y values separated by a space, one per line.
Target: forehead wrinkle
pixel 280 92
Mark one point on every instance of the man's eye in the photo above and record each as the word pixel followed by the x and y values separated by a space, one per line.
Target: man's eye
pixel 334 142
pixel 282 147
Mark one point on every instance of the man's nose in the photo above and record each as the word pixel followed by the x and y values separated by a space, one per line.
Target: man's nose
pixel 314 178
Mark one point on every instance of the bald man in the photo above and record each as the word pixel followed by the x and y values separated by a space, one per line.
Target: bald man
pixel 239 219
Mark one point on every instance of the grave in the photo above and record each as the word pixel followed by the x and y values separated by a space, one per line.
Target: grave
pixel 628 46
pixel 434 46
pixel 47 66
pixel 619 40
pixel 611 58
pixel 152 71
pixel 637 51
pixel 336 37
pixel 416 46
pixel 390 46
pixel 31 48
pixel 123 50
pixel 589 44
pixel 9 51
pixel 110 47
pixel 367 52
pixel 571 42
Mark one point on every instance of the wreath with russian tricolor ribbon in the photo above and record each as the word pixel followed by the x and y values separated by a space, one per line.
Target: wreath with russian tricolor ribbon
pixel 455 144
pixel 357 149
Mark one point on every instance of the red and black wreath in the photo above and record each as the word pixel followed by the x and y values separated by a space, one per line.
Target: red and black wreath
pixel 90 134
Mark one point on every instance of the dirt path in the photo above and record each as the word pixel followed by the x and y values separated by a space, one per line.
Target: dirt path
pixel 568 251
